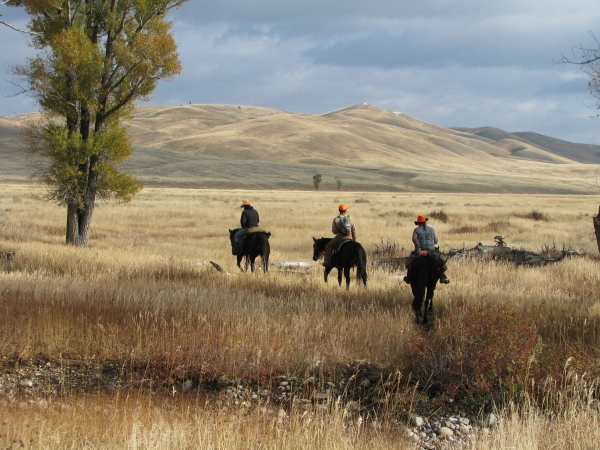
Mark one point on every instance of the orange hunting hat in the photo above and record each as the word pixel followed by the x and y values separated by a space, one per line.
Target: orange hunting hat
pixel 246 203
pixel 421 219
pixel 342 207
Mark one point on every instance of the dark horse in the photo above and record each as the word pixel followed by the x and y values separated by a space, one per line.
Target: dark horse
pixel 349 255
pixel 423 274
pixel 255 244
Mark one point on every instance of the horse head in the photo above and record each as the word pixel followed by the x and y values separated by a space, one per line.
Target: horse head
pixel 318 248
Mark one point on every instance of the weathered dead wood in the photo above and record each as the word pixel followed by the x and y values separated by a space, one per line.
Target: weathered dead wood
pixel 516 256
pixel 218 267
pixel 292 265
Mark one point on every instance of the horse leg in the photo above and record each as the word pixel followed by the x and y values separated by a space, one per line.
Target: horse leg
pixel 418 286
pixel 326 273
pixel 239 262
pixel 347 275
pixel 265 264
pixel 426 306
pixel 417 306
pixel 429 299
pixel 340 277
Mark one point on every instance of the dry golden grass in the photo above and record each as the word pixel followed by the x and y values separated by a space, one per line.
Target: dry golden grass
pixel 370 149
pixel 138 294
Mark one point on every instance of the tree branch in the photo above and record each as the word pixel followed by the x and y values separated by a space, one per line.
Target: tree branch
pixel 16 29
pixel 127 98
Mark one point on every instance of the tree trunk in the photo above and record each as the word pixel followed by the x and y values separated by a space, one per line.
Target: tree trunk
pixel 79 224
pixel 597 228
pixel 79 218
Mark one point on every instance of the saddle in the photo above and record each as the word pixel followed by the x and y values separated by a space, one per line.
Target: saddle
pixel 337 247
pixel 250 231
pixel 440 257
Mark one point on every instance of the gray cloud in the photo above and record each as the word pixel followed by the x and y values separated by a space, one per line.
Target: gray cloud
pixel 453 63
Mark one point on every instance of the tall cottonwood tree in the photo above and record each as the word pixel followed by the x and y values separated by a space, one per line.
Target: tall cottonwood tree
pixel 96 59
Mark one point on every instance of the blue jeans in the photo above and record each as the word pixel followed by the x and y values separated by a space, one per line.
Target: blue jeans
pixel 239 233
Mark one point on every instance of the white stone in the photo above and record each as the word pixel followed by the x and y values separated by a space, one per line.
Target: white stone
pixel 417 420
pixel 445 431
pixel 413 437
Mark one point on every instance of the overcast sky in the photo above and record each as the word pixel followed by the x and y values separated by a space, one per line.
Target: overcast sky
pixel 467 63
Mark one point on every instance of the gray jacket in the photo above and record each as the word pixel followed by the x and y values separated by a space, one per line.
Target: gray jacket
pixel 424 238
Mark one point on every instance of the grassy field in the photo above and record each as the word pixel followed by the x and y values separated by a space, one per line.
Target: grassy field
pixel 144 297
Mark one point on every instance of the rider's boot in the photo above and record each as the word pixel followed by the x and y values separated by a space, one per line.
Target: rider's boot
pixel 328 264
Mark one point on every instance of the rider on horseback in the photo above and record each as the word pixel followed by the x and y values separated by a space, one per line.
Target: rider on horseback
pixel 343 228
pixel 425 239
pixel 249 219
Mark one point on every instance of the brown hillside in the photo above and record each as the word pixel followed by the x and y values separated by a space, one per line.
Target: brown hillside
pixel 368 148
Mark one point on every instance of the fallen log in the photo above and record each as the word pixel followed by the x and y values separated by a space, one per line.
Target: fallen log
pixel 516 256
pixel 218 267
pixel 292 265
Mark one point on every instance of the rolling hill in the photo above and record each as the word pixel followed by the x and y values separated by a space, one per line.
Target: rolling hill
pixel 368 148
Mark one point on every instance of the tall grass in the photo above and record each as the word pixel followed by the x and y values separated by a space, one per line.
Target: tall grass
pixel 143 295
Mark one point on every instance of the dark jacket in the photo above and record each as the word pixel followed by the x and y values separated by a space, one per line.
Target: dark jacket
pixel 249 217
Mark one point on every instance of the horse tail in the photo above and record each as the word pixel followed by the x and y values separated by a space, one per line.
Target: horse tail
pixel 266 251
pixel 361 264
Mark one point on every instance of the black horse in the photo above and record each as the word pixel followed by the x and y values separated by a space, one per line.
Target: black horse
pixel 423 275
pixel 349 255
pixel 255 244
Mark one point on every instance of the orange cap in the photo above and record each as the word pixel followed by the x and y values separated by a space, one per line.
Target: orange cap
pixel 342 207
pixel 246 203
pixel 421 219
